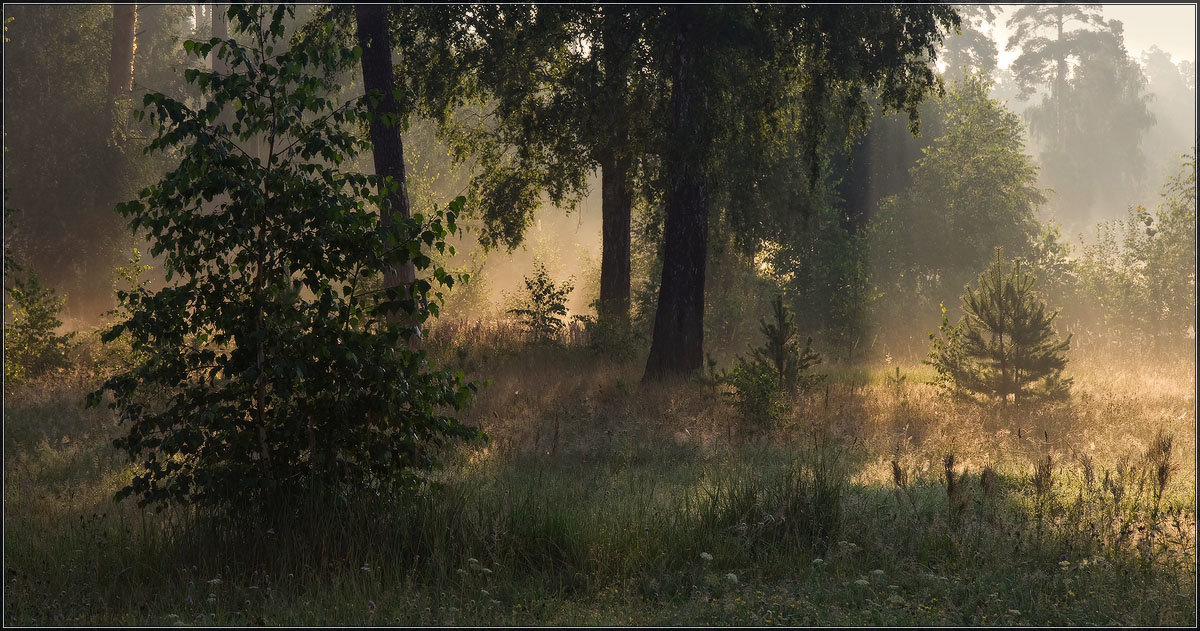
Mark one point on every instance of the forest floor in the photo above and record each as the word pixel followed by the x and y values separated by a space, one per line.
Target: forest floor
pixel 601 501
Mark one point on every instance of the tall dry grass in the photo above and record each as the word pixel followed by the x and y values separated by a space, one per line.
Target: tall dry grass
pixel 601 500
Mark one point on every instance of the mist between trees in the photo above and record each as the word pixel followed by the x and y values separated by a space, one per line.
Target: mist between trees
pixel 862 186
pixel 381 261
pixel 828 199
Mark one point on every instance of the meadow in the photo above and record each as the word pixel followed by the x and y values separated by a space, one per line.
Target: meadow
pixel 598 500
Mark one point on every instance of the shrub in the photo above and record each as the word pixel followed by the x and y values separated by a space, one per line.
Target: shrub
pixel 128 284
pixel 782 352
pixel 1004 345
pixel 610 337
pixel 1139 274
pixel 773 370
pixel 31 346
pixel 268 372
pixel 543 305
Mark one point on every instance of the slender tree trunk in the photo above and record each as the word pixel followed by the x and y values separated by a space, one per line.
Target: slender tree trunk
pixel 616 209
pixel 220 30
pixel 387 145
pixel 677 345
pixel 120 69
pixel 1060 76
pixel 615 171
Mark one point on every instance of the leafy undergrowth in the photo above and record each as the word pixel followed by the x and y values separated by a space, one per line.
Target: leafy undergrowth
pixel 602 501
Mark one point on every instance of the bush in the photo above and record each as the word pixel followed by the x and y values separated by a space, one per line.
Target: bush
pixel 268 372
pixel 128 283
pixel 1004 345
pixel 31 346
pixel 1139 273
pixel 543 305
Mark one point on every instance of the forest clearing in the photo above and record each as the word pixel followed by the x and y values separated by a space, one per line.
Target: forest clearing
pixel 571 315
pixel 595 502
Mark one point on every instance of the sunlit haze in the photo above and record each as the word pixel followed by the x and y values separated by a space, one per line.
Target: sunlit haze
pixel 1171 27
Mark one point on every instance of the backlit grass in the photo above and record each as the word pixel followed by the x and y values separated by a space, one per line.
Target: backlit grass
pixel 599 500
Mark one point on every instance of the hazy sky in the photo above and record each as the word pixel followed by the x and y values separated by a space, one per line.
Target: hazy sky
pixel 1172 27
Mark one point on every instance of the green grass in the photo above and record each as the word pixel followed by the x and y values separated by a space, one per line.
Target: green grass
pixel 599 501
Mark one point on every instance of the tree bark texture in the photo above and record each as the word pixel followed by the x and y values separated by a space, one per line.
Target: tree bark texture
pixel 678 336
pixel 387 145
pixel 616 209
pixel 120 69
pixel 615 171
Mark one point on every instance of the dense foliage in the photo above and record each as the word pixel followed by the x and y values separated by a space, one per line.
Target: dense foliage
pixel 32 345
pixel 63 164
pixel 1138 277
pixel 975 189
pixel 268 370
pixel 1005 344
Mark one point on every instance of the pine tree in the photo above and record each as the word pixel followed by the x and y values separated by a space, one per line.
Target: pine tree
pixel 773 370
pixel 1004 345
pixel 782 352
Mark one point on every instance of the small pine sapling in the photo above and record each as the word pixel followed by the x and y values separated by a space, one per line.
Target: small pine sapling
pixel 130 287
pixel 782 353
pixel 776 368
pixel 1005 346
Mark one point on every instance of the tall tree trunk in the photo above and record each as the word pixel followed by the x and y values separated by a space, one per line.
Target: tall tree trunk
pixel 615 172
pixel 387 145
pixel 616 208
pixel 120 70
pixel 677 346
